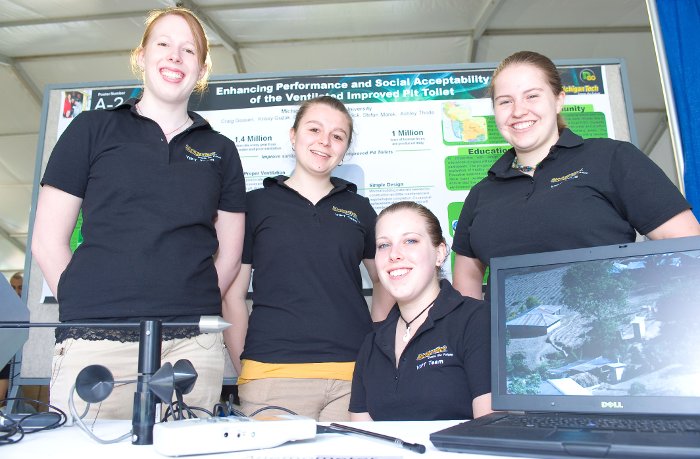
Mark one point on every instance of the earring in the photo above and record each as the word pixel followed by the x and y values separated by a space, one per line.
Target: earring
pixel 293 145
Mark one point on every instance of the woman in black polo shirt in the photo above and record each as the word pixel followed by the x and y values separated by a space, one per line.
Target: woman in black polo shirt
pixel 306 236
pixel 554 190
pixel 160 193
pixel 430 358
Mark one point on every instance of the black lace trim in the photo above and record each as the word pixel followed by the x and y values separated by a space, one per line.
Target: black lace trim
pixel 127 335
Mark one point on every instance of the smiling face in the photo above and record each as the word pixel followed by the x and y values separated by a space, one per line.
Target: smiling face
pixel 170 61
pixel 407 259
pixel 320 140
pixel 526 109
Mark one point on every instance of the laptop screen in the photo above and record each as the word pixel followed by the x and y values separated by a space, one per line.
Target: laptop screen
pixel 613 329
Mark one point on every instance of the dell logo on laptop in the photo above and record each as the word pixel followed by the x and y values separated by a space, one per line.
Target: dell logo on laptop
pixel 611 405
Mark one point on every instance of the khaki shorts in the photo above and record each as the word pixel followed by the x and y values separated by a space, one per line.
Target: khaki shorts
pixel 321 399
pixel 206 353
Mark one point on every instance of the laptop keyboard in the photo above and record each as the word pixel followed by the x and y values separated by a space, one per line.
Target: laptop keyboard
pixel 591 422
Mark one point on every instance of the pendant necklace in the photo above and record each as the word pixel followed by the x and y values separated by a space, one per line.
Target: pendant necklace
pixel 407 335
pixel 166 133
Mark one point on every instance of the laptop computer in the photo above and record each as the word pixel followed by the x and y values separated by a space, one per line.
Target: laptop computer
pixel 604 342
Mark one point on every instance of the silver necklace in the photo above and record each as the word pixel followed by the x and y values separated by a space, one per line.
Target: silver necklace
pixel 407 334
pixel 166 133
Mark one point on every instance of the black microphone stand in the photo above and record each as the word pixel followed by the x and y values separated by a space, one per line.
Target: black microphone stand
pixel 145 401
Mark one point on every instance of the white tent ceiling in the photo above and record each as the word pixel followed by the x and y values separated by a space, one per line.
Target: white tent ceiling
pixel 73 41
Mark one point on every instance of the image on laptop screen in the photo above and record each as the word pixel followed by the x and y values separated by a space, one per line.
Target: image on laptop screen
pixel 613 328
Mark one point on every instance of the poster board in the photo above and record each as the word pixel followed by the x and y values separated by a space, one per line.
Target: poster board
pixel 425 134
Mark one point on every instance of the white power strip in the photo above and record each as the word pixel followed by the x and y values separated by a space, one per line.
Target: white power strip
pixel 219 435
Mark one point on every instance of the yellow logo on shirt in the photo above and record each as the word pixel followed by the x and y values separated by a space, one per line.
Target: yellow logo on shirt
pixel 349 214
pixel 427 354
pixel 194 155
pixel 434 357
pixel 573 175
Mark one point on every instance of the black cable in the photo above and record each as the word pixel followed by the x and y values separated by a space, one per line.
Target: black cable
pixel 9 431
pixel 26 424
pixel 272 407
pixel 415 447
pixel 221 410
pixel 190 413
pixel 199 408
pixel 321 429
pixel 230 404
pixel 169 411
pixel 174 410
pixel 59 420
pixel 57 412
pixel 237 413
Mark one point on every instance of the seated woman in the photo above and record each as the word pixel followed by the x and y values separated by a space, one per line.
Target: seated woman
pixel 430 358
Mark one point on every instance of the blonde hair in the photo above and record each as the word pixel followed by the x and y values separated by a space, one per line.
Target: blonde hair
pixel 543 63
pixel 201 42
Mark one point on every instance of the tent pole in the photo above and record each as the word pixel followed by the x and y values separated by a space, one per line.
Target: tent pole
pixel 667 88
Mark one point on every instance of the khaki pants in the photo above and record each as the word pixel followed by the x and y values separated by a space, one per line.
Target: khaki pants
pixel 321 399
pixel 205 352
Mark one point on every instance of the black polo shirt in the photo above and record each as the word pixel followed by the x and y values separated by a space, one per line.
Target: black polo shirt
pixel 308 305
pixel 148 214
pixel 444 367
pixel 585 193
